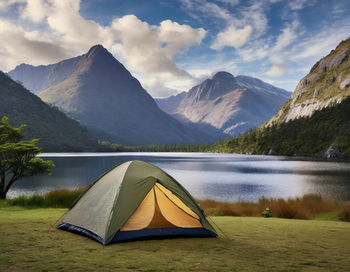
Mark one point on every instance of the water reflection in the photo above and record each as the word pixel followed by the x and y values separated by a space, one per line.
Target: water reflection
pixel 223 177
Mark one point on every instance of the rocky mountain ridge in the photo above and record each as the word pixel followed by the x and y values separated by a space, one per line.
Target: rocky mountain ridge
pixel 327 83
pixel 231 104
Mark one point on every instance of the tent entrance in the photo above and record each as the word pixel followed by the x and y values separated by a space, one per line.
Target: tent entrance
pixel 161 209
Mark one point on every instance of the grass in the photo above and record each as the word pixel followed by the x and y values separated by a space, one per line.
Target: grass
pixel 30 243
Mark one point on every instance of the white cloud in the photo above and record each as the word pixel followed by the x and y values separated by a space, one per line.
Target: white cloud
pixel 148 50
pixel 314 47
pixel 230 2
pixel 276 70
pixel 253 15
pixel 297 4
pixel 232 37
pixel 35 10
pixel 20 46
pixel 287 36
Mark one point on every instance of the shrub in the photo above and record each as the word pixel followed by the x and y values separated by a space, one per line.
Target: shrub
pixel 344 214
pixel 63 198
pixel 214 212
pixel 266 213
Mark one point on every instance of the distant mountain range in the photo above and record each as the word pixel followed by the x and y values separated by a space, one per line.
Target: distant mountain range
pixel 230 104
pixel 98 91
pixel 57 131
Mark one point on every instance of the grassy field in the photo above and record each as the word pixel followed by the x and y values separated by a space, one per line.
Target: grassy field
pixel 28 242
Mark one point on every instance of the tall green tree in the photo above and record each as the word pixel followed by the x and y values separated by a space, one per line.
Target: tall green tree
pixel 18 157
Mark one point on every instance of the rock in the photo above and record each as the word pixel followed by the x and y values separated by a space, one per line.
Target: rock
pixel 271 152
pixel 312 78
pixel 331 152
pixel 345 83
pixel 331 62
pixel 316 92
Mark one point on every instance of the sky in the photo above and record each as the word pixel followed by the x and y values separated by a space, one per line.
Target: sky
pixel 172 45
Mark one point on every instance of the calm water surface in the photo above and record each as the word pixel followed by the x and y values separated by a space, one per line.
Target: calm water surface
pixel 223 177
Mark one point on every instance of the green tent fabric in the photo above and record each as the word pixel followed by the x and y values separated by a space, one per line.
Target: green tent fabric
pixel 110 201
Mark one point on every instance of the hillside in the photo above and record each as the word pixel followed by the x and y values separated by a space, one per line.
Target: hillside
pixel 327 83
pixel 98 91
pixel 230 104
pixel 57 131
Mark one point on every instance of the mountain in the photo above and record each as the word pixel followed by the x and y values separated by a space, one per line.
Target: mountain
pixel 231 104
pixel 171 103
pixel 97 90
pixel 57 131
pixel 42 77
pixel 327 83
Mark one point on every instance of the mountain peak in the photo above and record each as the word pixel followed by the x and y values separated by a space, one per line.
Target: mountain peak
pixel 222 74
pixel 96 50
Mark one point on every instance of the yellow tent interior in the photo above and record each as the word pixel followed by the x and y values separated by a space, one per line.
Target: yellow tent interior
pixel 161 209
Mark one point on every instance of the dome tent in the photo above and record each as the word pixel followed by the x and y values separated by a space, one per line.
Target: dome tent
pixel 136 200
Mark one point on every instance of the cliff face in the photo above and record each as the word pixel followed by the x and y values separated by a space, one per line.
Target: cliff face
pixel 327 83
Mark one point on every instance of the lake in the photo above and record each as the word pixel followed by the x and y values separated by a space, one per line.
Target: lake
pixel 223 177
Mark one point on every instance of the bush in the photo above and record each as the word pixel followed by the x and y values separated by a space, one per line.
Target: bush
pixel 344 214
pixel 215 212
pixel 62 198
pixel 34 200
pixel 266 213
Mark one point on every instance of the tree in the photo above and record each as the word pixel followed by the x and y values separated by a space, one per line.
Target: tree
pixel 18 157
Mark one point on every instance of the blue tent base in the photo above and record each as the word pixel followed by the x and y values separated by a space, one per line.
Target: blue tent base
pixel 81 231
pixel 156 233
pixel 143 234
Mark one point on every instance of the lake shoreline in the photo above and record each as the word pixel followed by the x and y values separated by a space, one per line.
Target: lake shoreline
pixel 110 153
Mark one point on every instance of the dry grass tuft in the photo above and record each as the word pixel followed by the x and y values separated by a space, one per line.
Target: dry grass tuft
pixel 306 207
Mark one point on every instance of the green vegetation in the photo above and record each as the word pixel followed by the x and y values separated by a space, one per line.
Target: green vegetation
pixel 18 157
pixel 310 136
pixel 105 146
pixel 29 242
pixel 61 198
pixel 57 131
